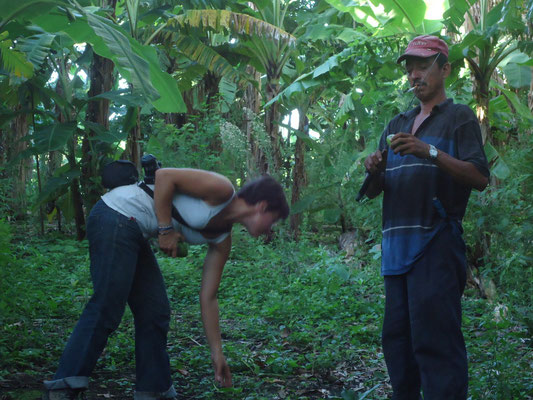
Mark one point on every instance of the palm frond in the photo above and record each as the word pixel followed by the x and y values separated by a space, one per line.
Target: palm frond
pixel 14 61
pixel 240 24
pixel 37 47
pixel 207 57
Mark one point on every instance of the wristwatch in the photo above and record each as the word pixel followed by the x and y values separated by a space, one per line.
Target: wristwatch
pixel 433 153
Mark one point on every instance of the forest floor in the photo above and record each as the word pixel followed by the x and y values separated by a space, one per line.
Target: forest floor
pixel 299 321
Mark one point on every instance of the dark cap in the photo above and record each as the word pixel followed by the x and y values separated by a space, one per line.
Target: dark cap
pixel 424 46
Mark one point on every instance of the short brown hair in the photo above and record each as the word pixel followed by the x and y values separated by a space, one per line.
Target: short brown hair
pixel 268 189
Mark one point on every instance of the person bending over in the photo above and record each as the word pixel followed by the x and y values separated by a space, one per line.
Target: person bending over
pixel 124 270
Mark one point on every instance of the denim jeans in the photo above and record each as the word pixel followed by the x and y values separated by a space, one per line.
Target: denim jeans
pixel 123 270
pixel 422 339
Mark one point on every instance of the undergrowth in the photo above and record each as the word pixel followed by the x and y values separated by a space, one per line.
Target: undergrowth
pixel 299 321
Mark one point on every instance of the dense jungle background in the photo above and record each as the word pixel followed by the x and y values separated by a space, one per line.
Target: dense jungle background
pixel 298 89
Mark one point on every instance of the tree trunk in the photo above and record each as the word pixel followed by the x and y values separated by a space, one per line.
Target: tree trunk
pixel 530 94
pixel 21 169
pixel 256 159
pixel 76 197
pixel 3 148
pixel 133 145
pixel 298 172
pixel 102 80
pixel 101 77
pixel 481 94
pixel 77 200
pixel 271 123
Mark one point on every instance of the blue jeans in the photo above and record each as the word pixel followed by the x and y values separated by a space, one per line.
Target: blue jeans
pixel 123 270
pixel 422 340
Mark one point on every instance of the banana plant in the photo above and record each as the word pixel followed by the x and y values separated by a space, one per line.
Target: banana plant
pixel 494 36
pixel 389 17
pixel 263 38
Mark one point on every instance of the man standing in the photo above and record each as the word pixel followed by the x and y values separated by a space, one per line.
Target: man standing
pixel 426 169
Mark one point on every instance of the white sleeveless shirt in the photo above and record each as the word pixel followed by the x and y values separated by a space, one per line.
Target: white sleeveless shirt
pixel 133 202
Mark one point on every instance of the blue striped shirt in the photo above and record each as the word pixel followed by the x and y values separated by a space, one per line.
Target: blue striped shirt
pixel 410 219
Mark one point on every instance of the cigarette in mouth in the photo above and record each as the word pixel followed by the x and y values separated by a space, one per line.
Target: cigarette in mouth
pixel 413 88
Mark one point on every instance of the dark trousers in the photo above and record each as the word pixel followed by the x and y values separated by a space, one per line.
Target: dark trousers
pixel 124 271
pixel 422 339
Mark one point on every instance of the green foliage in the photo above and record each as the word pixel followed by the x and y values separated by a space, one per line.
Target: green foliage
pixel 505 213
pixel 13 60
pixel 298 319
pixel 301 319
pixel 194 145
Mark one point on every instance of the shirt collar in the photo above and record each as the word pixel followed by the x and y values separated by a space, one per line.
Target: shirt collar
pixel 437 108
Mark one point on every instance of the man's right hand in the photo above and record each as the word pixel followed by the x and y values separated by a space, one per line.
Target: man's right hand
pixel 376 162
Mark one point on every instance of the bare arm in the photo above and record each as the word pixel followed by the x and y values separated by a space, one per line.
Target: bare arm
pixel 208 186
pixel 463 172
pixel 214 262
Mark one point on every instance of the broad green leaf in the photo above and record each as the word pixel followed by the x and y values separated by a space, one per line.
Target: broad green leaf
pixel 227 89
pixel 138 70
pixel 522 110
pixel 15 61
pixel 133 7
pixel 491 153
pixel 170 100
pixel 104 135
pixel 429 27
pixel 331 62
pixel 498 105
pixel 206 56
pixel 158 82
pixel 241 24
pixel 26 9
pixel 66 204
pixel 53 137
pixel 57 186
pixel 511 17
pixel 121 97
pixel 461 50
pixel 332 215
pixel 303 82
pixel 340 270
pixel 456 13
pixel 37 47
pixel 349 35
pixel 518 76
pixel 495 14
pixel 345 108
pixel 130 119
pixel 362 14
pixel 516 57
pixel 500 169
pixel 304 204
pixel 411 10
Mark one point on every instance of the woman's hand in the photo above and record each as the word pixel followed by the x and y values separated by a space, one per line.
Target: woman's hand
pixel 405 143
pixel 169 243
pixel 222 371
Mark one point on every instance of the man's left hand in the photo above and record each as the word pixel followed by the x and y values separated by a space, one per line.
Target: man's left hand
pixel 405 143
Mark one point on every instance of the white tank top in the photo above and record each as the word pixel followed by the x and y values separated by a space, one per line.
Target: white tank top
pixel 133 202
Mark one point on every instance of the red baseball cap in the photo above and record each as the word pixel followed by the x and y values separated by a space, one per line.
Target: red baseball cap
pixel 424 46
